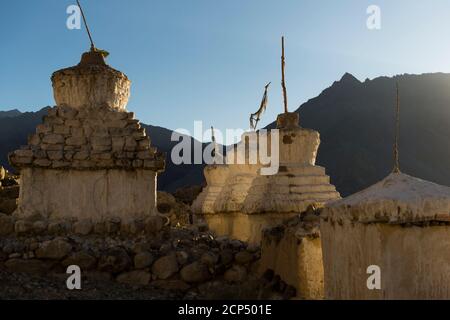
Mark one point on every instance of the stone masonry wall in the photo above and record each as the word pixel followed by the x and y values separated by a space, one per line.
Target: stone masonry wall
pixel 187 260
pixel 89 139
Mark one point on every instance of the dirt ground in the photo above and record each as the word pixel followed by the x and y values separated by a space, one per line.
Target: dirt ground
pixel 15 286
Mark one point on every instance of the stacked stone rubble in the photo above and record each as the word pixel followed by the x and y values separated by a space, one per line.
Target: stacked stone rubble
pixel 183 260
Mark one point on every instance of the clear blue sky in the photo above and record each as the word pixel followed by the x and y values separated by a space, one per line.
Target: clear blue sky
pixel 209 60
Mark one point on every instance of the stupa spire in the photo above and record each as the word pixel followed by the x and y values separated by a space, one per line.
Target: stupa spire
pixel 86 25
pixel 91 57
pixel 283 81
pixel 397 132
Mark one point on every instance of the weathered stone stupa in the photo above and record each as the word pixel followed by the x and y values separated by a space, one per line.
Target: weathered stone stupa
pixel 401 225
pixel 299 182
pixel 240 202
pixel 90 158
pixel 227 184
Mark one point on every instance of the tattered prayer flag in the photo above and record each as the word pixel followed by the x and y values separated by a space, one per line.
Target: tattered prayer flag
pixel 256 117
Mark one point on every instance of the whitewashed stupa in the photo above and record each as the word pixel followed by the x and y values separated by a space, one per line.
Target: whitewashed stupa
pixel 240 202
pixel 242 199
pixel 90 158
pixel 401 225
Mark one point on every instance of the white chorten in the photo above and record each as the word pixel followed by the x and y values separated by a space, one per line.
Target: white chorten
pixel 239 201
pixel 90 158
pixel 399 228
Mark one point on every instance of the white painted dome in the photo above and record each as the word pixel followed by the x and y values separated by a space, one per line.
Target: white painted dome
pixel 398 198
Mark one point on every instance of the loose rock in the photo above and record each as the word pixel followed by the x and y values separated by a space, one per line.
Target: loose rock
pixel 195 272
pixel 154 224
pixel 82 259
pixel 54 249
pixel 83 227
pixel 237 273
pixel 165 267
pixel 243 257
pixel 143 260
pixel 114 260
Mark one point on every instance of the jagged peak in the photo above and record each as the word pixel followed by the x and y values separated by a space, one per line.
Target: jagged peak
pixel 349 78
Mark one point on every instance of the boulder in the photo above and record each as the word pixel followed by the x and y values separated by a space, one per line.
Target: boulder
pixel 143 260
pixel 82 259
pixel 195 272
pixel 132 227
pixel 141 247
pixel 23 226
pixel 176 211
pixel 165 267
pixel 182 257
pixel 209 258
pixel 115 260
pixel 39 227
pixel 54 249
pixel 59 227
pixel 236 273
pixel 83 227
pixel 154 224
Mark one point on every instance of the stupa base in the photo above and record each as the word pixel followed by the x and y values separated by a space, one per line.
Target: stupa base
pixel 91 194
